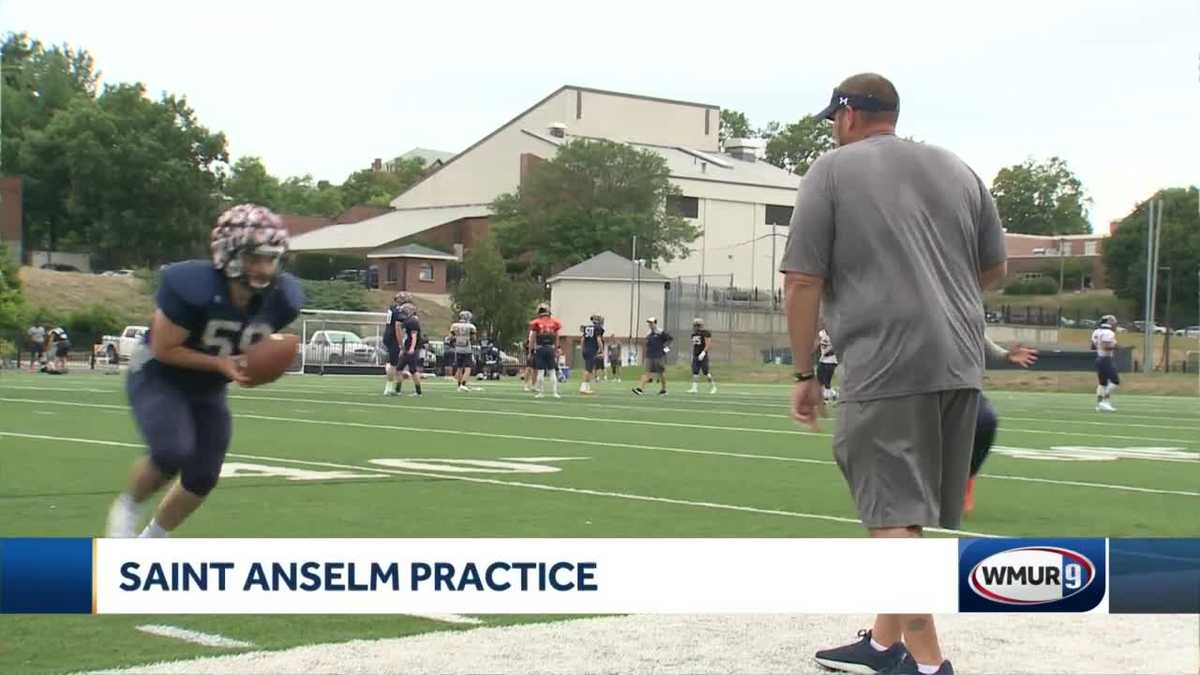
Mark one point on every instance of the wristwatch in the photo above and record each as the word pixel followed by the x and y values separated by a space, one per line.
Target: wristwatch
pixel 804 377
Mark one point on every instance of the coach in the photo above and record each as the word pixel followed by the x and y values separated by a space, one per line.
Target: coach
pixel 899 238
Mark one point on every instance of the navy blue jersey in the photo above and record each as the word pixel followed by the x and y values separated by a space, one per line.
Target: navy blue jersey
pixel 656 343
pixel 412 334
pixel 591 338
pixel 699 338
pixel 195 297
pixel 394 317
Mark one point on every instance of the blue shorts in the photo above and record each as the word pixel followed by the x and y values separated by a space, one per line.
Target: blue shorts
pixel 592 361
pixel 464 360
pixel 543 359
pixel 410 361
pixel 187 432
pixel 700 365
pixel 393 354
pixel 1106 370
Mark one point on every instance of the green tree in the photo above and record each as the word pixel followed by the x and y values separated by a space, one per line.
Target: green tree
pixel 12 303
pixel 501 303
pixel 734 124
pixel 249 182
pixel 796 146
pixel 379 188
pixel 302 196
pixel 1179 248
pixel 132 180
pixel 591 197
pixel 1041 198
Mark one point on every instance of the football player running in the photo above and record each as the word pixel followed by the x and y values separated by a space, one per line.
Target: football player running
pixel 208 314
pixel 1104 341
pixel 701 342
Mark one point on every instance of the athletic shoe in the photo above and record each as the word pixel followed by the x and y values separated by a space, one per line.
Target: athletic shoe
pixel 861 657
pixel 663 392
pixel 713 390
pixel 539 395
pixel 693 390
pixel 908 666
pixel 122 519
pixel 1105 406
pixel 637 391
pixel 557 396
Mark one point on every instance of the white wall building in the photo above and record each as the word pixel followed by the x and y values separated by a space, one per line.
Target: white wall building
pixel 611 286
pixel 733 196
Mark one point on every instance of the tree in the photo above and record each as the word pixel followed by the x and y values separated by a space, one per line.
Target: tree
pixel 1041 198
pixel 130 179
pixel 12 303
pixel 796 146
pixel 501 303
pixel 733 125
pixel 379 188
pixel 591 197
pixel 249 183
pixel 1179 248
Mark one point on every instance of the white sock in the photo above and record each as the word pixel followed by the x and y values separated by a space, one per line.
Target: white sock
pixel 928 670
pixel 554 383
pixel 126 501
pixel 878 647
pixel 540 386
pixel 153 531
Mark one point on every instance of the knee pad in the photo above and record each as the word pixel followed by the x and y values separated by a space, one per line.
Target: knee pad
pixel 200 481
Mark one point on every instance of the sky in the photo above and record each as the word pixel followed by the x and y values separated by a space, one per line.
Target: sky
pixel 322 88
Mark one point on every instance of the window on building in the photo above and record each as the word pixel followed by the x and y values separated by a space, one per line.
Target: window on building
pixel 778 215
pixel 426 272
pixel 688 207
pixel 1030 276
pixel 1091 248
pixel 393 271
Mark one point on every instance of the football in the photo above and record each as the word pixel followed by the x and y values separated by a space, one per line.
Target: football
pixel 268 359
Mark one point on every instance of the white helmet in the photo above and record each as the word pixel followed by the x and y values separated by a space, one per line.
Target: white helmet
pixel 465 316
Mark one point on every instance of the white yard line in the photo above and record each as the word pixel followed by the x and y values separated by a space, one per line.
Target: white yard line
pixel 195 637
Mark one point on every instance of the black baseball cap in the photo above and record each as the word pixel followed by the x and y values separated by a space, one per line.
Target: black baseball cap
pixel 866 91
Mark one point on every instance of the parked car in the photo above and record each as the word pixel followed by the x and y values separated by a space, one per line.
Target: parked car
pixel 1189 332
pixel 1087 323
pixel 338 346
pixel 127 341
pixel 1140 327
pixel 60 267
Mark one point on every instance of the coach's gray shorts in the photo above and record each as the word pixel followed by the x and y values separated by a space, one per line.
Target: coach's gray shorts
pixel 907 458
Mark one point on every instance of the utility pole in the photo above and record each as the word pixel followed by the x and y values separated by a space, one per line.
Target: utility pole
pixel 1147 333
pixel 1167 321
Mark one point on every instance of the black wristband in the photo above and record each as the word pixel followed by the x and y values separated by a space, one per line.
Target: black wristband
pixel 804 377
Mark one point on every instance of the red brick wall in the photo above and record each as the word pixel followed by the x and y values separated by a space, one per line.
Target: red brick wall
pixel 298 225
pixel 10 214
pixel 408 275
pixel 465 231
pixel 1049 265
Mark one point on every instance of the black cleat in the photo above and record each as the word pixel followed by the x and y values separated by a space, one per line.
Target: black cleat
pixel 861 657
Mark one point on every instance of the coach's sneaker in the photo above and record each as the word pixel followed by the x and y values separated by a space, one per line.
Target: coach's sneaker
pixel 908 666
pixel 862 657
pixel 123 518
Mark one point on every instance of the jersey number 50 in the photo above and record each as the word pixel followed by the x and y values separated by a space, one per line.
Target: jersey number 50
pixel 226 338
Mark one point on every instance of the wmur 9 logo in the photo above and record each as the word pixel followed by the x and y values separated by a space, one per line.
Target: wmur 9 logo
pixel 1027 575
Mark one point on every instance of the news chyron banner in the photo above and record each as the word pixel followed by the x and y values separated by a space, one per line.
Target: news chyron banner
pixel 598 576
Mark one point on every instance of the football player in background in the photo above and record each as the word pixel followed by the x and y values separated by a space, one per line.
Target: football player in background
pixel 208 314
pixel 393 335
pixel 701 341
pixel 462 334
pixel 986 420
pixel 412 351
pixel 1104 341
pixel 658 345
pixel 543 335
pixel 593 352
pixel 827 363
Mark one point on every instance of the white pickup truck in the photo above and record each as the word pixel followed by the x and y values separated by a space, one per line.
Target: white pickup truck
pixel 126 341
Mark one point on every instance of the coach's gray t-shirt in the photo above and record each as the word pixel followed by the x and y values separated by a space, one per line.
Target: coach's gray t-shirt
pixel 899 231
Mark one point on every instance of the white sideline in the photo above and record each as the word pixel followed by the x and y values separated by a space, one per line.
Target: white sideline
pixel 196 637
pixel 981 644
